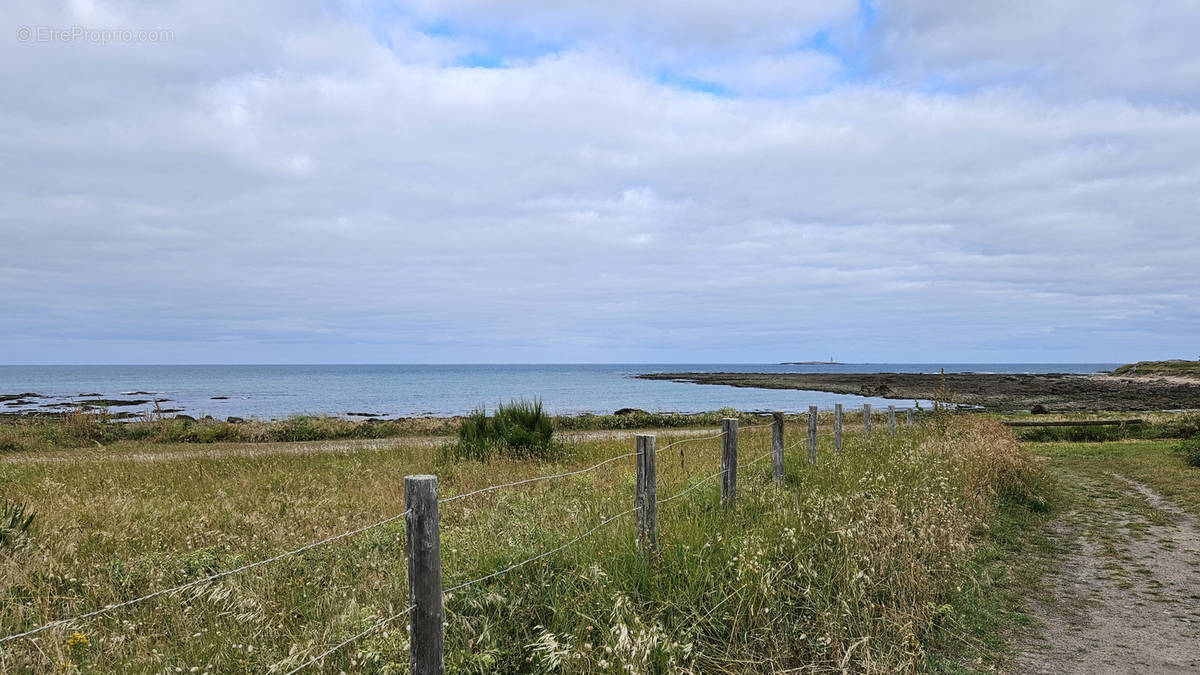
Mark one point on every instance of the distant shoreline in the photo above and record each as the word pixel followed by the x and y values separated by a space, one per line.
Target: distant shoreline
pixel 991 391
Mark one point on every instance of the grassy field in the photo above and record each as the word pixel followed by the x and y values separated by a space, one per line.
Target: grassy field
pixel 889 557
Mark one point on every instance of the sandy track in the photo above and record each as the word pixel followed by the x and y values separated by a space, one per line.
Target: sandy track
pixel 1126 597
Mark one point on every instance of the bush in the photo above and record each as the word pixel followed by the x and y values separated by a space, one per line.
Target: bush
pixel 1185 426
pixel 518 429
pixel 1191 449
pixel 1072 434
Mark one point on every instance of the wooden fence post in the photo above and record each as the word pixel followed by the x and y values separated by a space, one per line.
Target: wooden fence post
pixel 646 498
pixel 867 420
pixel 891 421
pixel 424 575
pixel 837 428
pixel 729 452
pixel 908 417
pixel 777 447
pixel 812 434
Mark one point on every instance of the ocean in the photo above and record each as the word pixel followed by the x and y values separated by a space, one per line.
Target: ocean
pixel 276 391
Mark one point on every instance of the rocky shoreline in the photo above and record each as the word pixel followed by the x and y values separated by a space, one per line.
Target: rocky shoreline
pixel 1058 392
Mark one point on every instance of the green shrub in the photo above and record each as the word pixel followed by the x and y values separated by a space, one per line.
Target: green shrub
pixel 518 429
pixel 1072 434
pixel 15 520
pixel 1191 449
pixel 1185 426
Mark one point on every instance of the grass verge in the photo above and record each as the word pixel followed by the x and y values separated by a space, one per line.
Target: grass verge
pixel 868 561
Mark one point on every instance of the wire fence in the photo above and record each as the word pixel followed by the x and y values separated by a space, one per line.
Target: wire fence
pixel 777 449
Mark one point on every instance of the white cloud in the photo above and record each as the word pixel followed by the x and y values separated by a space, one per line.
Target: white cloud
pixel 309 186
pixel 1060 47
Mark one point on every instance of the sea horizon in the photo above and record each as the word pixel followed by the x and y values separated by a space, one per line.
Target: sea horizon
pixel 370 390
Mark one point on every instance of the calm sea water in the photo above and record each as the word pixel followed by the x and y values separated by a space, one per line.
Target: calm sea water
pixel 273 391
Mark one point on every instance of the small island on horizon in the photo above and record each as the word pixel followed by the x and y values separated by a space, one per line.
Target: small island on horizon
pixel 830 362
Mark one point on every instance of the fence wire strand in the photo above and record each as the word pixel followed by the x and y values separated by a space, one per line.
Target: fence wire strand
pixel 688 440
pixel 540 555
pixel 377 625
pixel 493 488
pixel 197 582
pixel 382 622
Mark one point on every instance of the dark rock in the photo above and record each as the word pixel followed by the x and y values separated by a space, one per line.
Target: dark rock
pixel 219 398
pixel 631 411
pixel 358 414
pixel 1039 409
pixel 114 402
pixel 11 397
pixel 234 420
pixel 91 395
pixel 186 418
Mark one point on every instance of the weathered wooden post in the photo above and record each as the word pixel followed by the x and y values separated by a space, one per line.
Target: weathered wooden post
pixel 646 498
pixel 777 447
pixel 891 421
pixel 812 434
pixel 729 448
pixel 837 428
pixel 867 420
pixel 908 418
pixel 424 575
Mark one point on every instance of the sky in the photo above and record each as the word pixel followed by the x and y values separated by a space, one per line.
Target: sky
pixel 465 181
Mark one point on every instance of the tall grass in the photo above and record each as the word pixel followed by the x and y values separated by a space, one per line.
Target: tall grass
pixel 855 564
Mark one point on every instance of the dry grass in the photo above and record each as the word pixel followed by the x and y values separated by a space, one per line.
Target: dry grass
pixel 854 564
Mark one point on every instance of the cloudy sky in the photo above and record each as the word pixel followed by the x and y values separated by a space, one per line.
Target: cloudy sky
pixel 621 181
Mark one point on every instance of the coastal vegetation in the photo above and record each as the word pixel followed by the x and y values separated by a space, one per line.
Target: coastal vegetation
pixel 893 555
pixel 520 428
pixel 1156 426
pixel 91 428
pixel 1173 367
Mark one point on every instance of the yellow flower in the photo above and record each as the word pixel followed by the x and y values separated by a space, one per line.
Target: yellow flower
pixel 77 641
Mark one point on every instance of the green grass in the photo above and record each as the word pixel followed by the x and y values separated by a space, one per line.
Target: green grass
pixel 1157 426
pixel 1160 464
pixel 879 560
pixel 1171 367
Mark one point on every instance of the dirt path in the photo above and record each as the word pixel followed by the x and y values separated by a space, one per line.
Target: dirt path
pixel 1126 596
